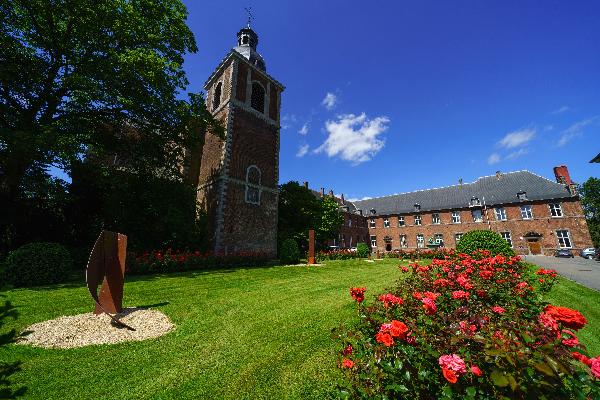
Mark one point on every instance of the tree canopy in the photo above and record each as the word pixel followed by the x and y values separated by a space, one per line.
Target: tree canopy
pixel 589 192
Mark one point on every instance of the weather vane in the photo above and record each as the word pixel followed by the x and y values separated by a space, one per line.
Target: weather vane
pixel 250 16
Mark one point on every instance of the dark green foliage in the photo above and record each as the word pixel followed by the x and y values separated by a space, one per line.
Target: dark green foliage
pixel 298 212
pixel 7 369
pixel 590 201
pixel 289 252
pixel 484 240
pixel 37 264
pixel 362 250
pixel 330 219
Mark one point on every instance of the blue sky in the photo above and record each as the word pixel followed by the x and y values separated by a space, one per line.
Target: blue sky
pixel 387 97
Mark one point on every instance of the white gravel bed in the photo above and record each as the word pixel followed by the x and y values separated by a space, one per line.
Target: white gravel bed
pixel 88 329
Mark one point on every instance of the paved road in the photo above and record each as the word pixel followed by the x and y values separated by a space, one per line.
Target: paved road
pixel 586 272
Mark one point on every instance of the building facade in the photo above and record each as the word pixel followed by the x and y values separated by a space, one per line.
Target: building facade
pixel 239 174
pixel 533 214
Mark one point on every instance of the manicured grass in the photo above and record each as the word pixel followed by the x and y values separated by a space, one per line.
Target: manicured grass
pixel 244 333
pixel 250 333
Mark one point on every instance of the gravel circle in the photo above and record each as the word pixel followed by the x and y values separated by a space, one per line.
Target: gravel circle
pixel 88 329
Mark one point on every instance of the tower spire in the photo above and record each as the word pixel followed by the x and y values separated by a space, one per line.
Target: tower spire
pixel 250 16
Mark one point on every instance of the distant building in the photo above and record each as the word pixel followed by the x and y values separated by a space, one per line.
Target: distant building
pixel 533 214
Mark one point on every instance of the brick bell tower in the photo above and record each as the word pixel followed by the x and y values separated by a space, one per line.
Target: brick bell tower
pixel 239 175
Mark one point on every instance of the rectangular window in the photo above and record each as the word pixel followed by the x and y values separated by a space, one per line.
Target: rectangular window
pixel 522 196
pixel 435 218
pixel 500 213
pixel 403 241
pixel 555 210
pixel 373 241
pixel 506 236
pixel 420 241
pixel 526 212
pixel 372 223
pixel 400 221
pixel 477 216
pixel 386 223
pixel 456 217
pixel 474 202
pixel 438 238
pixel 564 239
pixel 417 220
pixel 457 237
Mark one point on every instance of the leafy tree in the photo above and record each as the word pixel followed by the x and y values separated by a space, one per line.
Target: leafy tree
pixel 589 192
pixel 299 211
pixel 484 240
pixel 330 219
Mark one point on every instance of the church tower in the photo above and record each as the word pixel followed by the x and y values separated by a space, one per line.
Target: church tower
pixel 239 175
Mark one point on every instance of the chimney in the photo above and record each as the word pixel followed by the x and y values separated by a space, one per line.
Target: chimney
pixel 331 192
pixel 322 192
pixel 460 181
pixel 498 175
pixel 306 184
pixel 343 200
pixel 562 175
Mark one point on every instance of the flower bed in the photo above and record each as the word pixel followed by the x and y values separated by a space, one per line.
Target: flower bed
pixel 466 327
pixel 178 261
pixel 345 254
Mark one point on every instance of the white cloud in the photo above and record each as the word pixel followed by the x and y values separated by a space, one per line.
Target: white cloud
pixel 576 130
pixel 517 138
pixel 304 129
pixel 357 199
pixel 354 138
pixel 287 121
pixel 302 150
pixel 494 158
pixel 329 101
pixel 561 110
pixel 517 154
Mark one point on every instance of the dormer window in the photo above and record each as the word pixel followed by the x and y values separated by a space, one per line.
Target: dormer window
pixel 417 207
pixel 522 196
pixel 257 99
pixel 372 210
pixel 217 95
pixel 474 202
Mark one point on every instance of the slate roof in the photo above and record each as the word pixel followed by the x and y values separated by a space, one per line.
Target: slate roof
pixel 494 190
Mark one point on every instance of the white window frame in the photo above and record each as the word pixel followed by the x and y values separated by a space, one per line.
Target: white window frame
pixel 420 241
pixel 438 238
pixel 417 220
pixel 435 219
pixel 556 208
pixel 457 237
pixel 253 186
pixel 500 213
pixel 480 215
pixel 403 241
pixel 386 222
pixel 372 223
pixel 526 211
pixel 507 236
pixel 373 241
pixel 456 217
pixel 561 239
pixel 401 221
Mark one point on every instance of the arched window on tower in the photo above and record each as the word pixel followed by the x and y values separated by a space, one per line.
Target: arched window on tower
pixel 253 185
pixel 217 96
pixel 257 99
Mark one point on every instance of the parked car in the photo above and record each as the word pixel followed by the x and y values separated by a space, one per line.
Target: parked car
pixel 598 254
pixel 588 253
pixel 564 253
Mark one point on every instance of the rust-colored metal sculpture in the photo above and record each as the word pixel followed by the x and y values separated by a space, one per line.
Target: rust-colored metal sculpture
pixel 106 266
pixel 311 246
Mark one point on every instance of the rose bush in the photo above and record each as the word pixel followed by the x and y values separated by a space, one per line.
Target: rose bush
pixel 468 326
pixel 158 261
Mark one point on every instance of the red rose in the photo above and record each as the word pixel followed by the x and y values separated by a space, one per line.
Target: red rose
pixel 348 350
pixel 582 358
pixel 570 318
pixel 399 329
pixel 358 293
pixel 476 371
pixel 449 375
pixel 348 363
pixel 460 294
pixel 384 338
pixel 571 340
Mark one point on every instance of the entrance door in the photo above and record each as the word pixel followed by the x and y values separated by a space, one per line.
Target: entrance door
pixel 535 247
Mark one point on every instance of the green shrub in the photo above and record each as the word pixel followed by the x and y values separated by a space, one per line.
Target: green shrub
pixel 289 252
pixel 362 250
pixel 37 264
pixel 484 240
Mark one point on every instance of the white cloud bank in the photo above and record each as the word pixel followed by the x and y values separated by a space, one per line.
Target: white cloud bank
pixel 329 101
pixel 494 158
pixel 302 150
pixel 561 110
pixel 304 129
pixel 354 138
pixel 576 130
pixel 517 138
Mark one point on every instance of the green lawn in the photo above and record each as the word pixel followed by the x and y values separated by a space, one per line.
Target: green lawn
pixel 245 333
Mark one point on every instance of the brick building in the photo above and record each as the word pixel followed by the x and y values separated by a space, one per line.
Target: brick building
pixel 238 176
pixel 535 215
